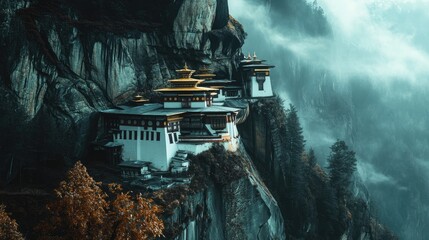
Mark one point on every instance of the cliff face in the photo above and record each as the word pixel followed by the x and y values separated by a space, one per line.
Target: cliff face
pixel 225 200
pixel 63 60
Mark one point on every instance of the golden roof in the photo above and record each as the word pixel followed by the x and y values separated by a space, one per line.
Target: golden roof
pixel 186 89
pixel 185 83
pixel 139 99
pixel 205 73
pixel 185 72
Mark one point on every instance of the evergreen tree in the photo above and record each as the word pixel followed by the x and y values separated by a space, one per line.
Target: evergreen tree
pixel 311 158
pixel 295 141
pixel 297 201
pixel 342 164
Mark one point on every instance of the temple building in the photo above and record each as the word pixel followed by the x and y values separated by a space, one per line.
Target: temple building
pixel 226 89
pixel 256 77
pixel 159 134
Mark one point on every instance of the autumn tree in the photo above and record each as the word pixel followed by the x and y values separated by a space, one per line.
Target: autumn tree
pixel 134 219
pixel 82 210
pixel 8 226
pixel 79 210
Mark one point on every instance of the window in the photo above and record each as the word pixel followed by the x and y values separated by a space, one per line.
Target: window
pixel 147 136
pixel 186 103
pixel 260 78
pixel 232 93
pixel 175 137
pixel 218 123
pixel 158 136
pixel 141 135
pixel 152 136
pixel 170 138
pixel 135 135
pixel 130 135
pixel 196 123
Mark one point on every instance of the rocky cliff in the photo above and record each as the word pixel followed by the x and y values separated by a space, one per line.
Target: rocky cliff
pixel 226 200
pixel 63 60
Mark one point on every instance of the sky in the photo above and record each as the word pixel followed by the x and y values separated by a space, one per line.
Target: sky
pixel 364 80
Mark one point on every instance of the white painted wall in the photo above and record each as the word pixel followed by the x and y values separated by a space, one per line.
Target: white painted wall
pixel 267 92
pixel 179 104
pixel 199 104
pixel 220 97
pixel 172 105
pixel 159 153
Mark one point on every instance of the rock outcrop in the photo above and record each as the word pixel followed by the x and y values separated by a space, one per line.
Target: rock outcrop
pixel 226 200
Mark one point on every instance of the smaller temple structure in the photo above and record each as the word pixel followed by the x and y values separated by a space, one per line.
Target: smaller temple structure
pixel 226 89
pixel 256 77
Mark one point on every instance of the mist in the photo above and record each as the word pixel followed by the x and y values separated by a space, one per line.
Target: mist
pixel 357 71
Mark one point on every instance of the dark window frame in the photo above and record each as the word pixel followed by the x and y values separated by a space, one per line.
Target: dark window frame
pixel 260 79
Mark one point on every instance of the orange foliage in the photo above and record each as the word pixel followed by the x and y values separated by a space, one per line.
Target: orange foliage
pixel 135 219
pixel 8 226
pixel 81 211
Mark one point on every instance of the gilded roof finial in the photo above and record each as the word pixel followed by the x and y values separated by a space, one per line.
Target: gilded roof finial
pixel 185 72
pixel 254 56
pixel 249 57
pixel 139 99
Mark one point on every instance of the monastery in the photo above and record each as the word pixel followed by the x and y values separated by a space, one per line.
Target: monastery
pixel 193 114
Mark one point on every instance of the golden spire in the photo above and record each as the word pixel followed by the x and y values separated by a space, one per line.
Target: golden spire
pixel 204 73
pixel 249 57
pixel 185 72
pixel 139 99
pixel 254 56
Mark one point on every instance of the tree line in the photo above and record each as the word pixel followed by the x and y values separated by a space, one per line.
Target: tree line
pixel 83 210
pixel 316 202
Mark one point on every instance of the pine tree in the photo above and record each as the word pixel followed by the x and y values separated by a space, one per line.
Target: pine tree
pixel 8 226
pixel 297 202
pixel 342 165
pixel 295 141
pixel 311 158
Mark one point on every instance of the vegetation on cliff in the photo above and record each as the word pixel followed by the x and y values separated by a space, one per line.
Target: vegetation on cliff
pixel 82 210
pixel 8 226
pixel 316 203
